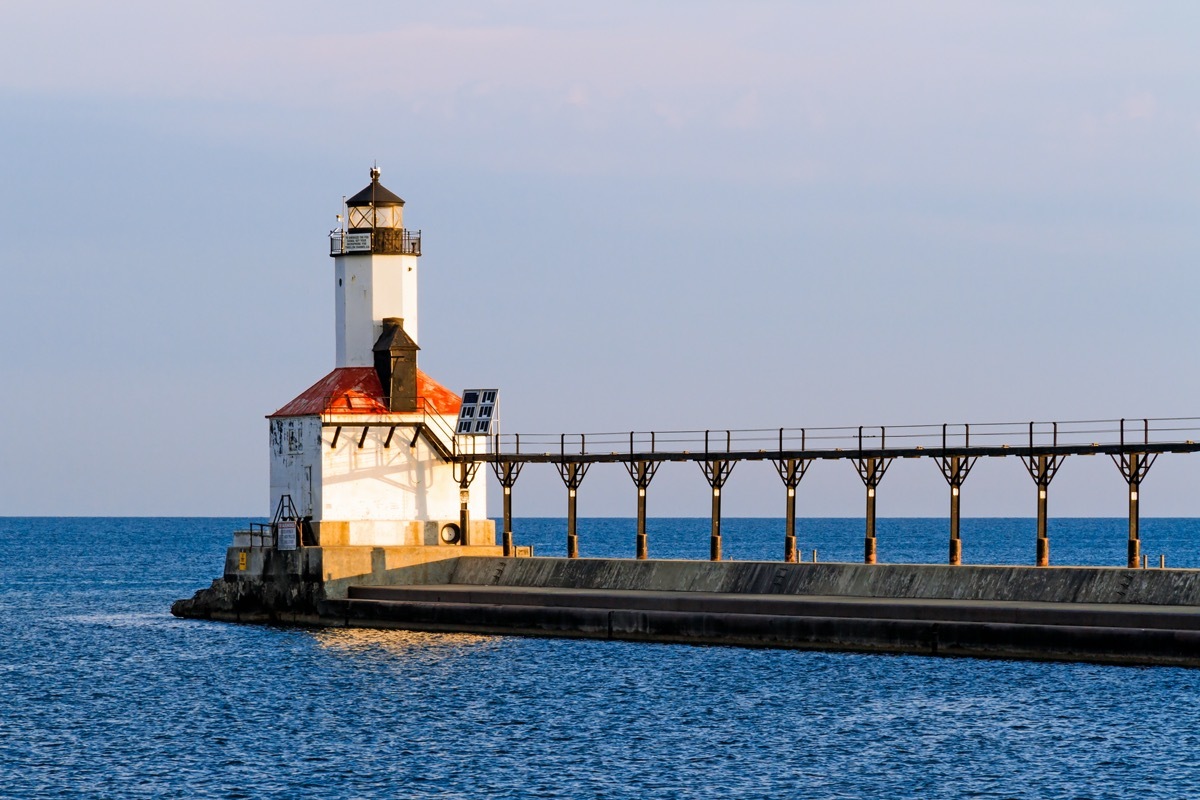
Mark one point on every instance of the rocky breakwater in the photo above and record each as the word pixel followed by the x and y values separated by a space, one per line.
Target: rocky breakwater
pixel 265 585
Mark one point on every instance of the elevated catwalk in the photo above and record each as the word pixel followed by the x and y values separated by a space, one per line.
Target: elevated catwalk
pixel 1041 447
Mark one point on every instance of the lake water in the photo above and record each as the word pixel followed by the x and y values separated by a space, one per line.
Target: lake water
pixel 104 694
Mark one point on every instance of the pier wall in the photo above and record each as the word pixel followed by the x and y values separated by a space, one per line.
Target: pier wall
pixel 894 581
pixel 1104 615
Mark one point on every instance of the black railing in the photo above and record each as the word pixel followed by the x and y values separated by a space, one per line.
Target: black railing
pixel 262 534
pixel 266 534
pixel 1149 435
pixel 380 241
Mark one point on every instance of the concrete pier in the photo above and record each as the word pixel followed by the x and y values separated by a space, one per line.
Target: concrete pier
pixel 1112 615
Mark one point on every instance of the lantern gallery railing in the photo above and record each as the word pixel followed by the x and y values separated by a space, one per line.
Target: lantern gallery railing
pixel 1133 446
pixel 381 241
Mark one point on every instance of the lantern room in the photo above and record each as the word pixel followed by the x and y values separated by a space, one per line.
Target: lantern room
pixel 374 207
pixel 375 224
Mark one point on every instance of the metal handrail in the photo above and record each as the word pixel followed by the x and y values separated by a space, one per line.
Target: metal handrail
pixel 264 532
pixel 383 241
pixel 445 433
pixel 944 436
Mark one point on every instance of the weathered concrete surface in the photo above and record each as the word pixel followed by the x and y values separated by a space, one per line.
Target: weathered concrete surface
pixel 928 581
pixel 1080 614
pixel 862 632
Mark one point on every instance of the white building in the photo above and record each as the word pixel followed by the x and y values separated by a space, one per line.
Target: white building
pixel 363 455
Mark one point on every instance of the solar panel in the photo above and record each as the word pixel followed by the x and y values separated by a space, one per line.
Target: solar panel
pixel 477 412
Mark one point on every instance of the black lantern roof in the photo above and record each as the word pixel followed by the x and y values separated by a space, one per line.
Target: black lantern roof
pixel 375 194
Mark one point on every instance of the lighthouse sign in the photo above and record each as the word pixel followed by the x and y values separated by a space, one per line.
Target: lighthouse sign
pixel 286 532
pixel 358 242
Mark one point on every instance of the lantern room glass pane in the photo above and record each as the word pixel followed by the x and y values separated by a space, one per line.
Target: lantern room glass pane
pixel 387 217
pixel 379 217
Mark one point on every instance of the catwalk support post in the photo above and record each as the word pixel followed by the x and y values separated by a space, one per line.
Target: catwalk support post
pixel 464 473
pixel 791 471
pixel 1134 467
pixel 1043 468
pixel 955 470
pixel 572 473
pixel 717 472
pixel 871 470
pixel 507 473
pixel 642 472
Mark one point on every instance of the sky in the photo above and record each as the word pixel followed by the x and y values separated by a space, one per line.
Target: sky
pixel 635 216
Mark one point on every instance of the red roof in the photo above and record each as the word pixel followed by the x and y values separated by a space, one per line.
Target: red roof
pixel 436 396
pixel 356 390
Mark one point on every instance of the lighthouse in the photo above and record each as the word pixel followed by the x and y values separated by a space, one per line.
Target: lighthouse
pixel 365 456
pixel 375 272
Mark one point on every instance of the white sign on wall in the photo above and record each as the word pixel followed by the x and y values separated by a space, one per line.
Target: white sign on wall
pixel 358 242
pixel 285 535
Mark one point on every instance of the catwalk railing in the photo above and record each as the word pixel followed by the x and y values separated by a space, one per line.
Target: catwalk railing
pixel 1077 437
pixel 1133 445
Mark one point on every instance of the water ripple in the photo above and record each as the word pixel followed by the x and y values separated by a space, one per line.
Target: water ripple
pixel 106 695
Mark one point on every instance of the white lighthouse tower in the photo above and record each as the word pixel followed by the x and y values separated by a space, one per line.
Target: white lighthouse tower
pixel 363 457
pixel 375 270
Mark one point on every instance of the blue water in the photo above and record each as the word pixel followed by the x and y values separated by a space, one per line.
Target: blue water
pixel 1091 542
pixel 104 694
